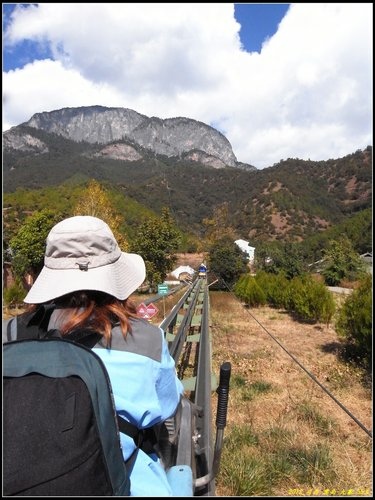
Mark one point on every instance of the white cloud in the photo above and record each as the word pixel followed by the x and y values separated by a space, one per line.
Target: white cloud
pixel 47 85
pixel 308 94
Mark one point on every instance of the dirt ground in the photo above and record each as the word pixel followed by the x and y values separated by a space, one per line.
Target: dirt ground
pixel 255 341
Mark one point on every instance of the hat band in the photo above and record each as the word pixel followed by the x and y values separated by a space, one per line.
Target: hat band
pixel 82 262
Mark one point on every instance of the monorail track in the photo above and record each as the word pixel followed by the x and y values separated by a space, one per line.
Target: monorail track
pixel 189 341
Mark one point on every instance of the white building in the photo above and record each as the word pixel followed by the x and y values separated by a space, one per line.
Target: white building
pixel 245 247
pixel 182 270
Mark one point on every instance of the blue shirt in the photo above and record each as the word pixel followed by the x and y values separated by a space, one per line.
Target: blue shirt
pixel 146 391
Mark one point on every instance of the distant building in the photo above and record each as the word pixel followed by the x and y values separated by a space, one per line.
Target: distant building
pixel 367 257
pixel 367 260
pixel 245 247
pixel 183 272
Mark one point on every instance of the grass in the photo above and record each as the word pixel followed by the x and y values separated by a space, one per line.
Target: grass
pixel 284 435
pixel 253 463
pixel 255 389
pixel 323 425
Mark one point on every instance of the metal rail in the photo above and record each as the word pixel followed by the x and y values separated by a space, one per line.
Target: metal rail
pixel 188 336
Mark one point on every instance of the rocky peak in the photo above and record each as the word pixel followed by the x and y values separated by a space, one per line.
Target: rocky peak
pixel 90 124
pixel 169 137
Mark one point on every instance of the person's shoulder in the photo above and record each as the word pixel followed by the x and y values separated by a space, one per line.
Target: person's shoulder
pixel 145 339
pixel 144 325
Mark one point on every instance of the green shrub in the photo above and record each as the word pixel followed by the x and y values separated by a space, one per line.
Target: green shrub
pixel 254 295
pixel 310 300
pixel 240 287
pixel 14 294
pixel 275 287
pixel 341 262
pixel 264 281
pixel 354 321
pixel 321 302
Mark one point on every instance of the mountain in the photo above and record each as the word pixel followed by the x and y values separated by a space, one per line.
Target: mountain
pixel 289 201
pixel 171 137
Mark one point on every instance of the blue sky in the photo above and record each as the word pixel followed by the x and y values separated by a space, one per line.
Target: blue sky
pixel 23 52
pixel 279 80
pixel 258 22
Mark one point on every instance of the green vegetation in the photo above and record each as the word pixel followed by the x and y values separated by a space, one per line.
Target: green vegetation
pixel 290 201
pixel 248 290
pixel 96 201
pixel 357 228
pixel 253 464
pixel 227 262
pixel 275 287
pixel 13 296
pixel 157 241
pixel 28 245
pixel 354 322
pixel 254 389
pixel 63 199
pixel 310 300
pixel 303 296
pixel 276 257
pixel 341 262
pixel 309 414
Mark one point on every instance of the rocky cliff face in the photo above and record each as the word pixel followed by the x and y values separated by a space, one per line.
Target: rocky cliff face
pixel 12 139
pixel 90 124
pixel 169 137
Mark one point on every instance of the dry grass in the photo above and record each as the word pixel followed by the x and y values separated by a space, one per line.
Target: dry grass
pixel 294 413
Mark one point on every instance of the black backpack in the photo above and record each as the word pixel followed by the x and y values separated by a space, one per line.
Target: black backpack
pixel 60 429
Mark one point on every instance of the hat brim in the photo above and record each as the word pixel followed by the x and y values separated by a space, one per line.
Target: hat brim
pixel 119 279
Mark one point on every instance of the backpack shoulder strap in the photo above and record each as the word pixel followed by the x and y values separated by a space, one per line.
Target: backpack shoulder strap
pixel 84 336
pixel 10 330
pixel 145 439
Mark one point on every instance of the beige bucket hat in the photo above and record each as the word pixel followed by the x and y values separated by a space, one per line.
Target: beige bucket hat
pixel 82 254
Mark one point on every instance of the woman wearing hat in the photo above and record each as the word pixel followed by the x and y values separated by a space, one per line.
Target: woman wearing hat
pixel 88 280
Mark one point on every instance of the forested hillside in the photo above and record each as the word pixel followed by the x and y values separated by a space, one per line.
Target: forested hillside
pixel 289 201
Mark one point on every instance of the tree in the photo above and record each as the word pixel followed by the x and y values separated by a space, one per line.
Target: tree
pixel 27 247
pixel 219 226
pixel 96 202
pixel 341 262
pixel 355 320
pixel 309 299
pixel 227 261
pixel 276 257
pixel 156 241
pixel 248 290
